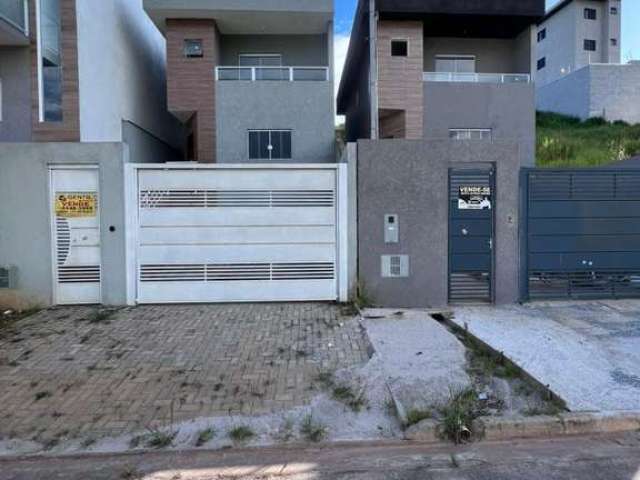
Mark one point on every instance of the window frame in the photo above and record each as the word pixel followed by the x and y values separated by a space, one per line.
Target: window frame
pixel 40 69
pixel 259 55
pixel 594 42
pixel 469 132
pixel 588 11
pixel 613 11
pixel 455 58
pixel 542 34
pixel 399 40
pixel 185 50
pixel 614 42
pixel 270 131
pixel 541 64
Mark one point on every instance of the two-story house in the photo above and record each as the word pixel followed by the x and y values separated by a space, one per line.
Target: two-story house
pixel 578 70
pixel 82 93
pixel 252 81
pixel 439 97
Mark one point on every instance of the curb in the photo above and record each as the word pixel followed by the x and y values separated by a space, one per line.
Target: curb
pixel 543 426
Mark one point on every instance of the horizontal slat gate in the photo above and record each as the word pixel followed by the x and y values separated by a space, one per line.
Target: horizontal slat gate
pixel 583 234
pixel 229 235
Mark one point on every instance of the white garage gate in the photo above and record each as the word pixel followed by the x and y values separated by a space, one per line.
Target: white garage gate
pixel 237 233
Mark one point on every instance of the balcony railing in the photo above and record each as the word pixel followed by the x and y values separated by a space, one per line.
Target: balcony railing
pixel 272 74
pixel 16 13
pixel 477 77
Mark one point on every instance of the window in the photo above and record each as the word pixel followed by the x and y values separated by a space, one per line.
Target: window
pixel 260 60
pixel 614 10
pixel 614 42
pixel 590 45
pixel 542 63
pixel 542 34
pixel 399 48
pixel 269 144
pixel 50 61
pixel 470 134
pixel 456 63
pixel 590 14
pixel 193 48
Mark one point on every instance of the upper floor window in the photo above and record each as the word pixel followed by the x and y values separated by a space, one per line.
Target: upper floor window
pixel 542 34
pixel 269 144
pixel 542 63
pixel 456 63
pixel 50 61
pixel 470 133
pixel 260 60
pixel 614 10
pixel 399 48
pixel 590 14
pixel 614 42
pixel 193 48
pixel 590 45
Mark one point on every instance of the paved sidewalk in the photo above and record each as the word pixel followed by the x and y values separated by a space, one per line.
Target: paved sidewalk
pixel 71 372
pixel 587 352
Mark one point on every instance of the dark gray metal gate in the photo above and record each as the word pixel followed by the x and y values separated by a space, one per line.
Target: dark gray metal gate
pixel 470 239
pixel 582 233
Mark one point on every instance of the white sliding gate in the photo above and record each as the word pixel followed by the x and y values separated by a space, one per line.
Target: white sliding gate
pixel 236 233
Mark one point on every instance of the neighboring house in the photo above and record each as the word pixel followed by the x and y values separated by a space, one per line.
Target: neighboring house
pixel 251 80
pixel 442 93
pixel 578 70
pixel 82 93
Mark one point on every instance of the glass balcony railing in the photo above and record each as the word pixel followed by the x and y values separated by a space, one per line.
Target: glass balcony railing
pixel 272 74
pixel 477 77
pixel 15 12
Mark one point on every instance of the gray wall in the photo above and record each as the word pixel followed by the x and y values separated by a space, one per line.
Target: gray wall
pixel 296 50
pixel 609 91
pixel 25 236
pixel 508 109
pixel 410 178
pixel 15 73
pixel 304 107
pixel 145 147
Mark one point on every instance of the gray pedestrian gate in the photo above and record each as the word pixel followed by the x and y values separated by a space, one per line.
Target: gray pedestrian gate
pixel 581 233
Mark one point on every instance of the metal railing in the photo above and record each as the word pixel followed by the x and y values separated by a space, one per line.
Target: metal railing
pixel 477 77
pixel 16 13
pixel 277 74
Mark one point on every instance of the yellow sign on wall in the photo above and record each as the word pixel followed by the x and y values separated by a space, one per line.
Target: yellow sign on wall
pixel 76 205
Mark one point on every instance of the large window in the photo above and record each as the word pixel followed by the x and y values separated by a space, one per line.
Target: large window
pixel 269 144
pixel 456 63
pixel 50 64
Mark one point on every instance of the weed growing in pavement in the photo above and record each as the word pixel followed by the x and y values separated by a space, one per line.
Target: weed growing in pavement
pixel 205 436
pixel 241 434
pixel 458 415
pixel 415 416
pixel 311 430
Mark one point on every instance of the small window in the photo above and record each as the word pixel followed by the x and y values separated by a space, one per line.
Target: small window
pixel 542 34
pixel 193 48
pixel 542 63
pixel 470 134
pixel 590 45
pixel 399 48
pixel 614 42
pixel 614 10
pixel 269 144
pixel 590 14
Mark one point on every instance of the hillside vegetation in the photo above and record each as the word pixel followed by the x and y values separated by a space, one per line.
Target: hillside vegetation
pixel 567 142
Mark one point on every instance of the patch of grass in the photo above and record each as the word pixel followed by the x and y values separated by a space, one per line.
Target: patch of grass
pixel 241 434
pixel 205 436
pixel 549 408
pixel 346 395
pixel 458 415
pixel 311 430
pixel 567 142
pixel 285 432
pixel 100 315
pixel 415 416
pixel 160 439
pixel 362 298
pixel 326 379
pixel 88 442
pixel 42 395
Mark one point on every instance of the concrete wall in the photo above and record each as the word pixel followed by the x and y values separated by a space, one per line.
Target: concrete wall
pixel 25 235
pixel 358 113
pixel 122 68
pixel 15 74
pixel 144 147
pixel 410 178
pixel 296 50
pixel 493 55
pixel 559 47
pixel 609 91
pixel 507 109
pixel 304 107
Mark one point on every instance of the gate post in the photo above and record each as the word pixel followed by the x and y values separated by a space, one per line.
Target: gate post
pixel 523 233
pixel 342 228
pixel 131 230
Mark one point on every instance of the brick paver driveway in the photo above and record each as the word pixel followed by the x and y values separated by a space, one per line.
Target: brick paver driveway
pixel 75 372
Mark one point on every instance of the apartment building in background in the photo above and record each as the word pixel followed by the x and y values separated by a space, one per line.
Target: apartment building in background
pixel 578 62
pixel 440 100
pixel 251 80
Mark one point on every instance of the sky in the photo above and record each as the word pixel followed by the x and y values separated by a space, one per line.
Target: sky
pixel 345 10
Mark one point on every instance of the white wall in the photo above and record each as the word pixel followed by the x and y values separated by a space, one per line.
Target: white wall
pixel 559 46
pixel 121 57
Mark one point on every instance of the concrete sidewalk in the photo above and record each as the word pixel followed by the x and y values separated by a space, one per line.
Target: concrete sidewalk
pixel 587 352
